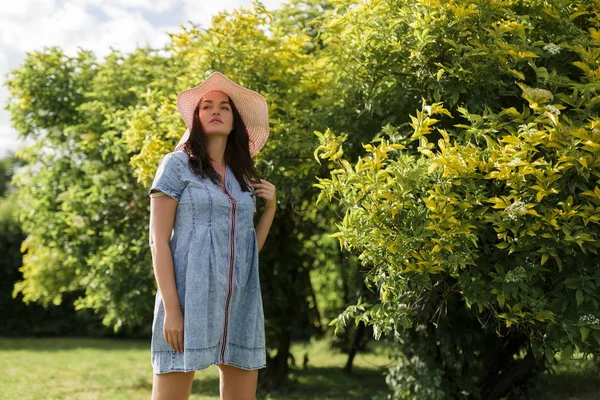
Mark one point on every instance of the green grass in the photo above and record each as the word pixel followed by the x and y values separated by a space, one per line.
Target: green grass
pixel 574 379
pixel 90 369
pixel 94 369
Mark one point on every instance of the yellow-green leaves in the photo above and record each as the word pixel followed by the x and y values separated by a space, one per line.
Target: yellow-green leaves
pixel 423 122
pixel 330 145
pixel 592 193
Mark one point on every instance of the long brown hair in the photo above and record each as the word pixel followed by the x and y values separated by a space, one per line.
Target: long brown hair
pixel 237 151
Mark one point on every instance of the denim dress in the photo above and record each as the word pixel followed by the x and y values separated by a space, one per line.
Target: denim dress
pixel 215 260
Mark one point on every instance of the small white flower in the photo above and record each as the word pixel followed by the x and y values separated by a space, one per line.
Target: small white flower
pixel 538 95
pixel 552 48
pixel 523 127
pixel 516 275
pixel 515 210
pixel 78 221
pixel 589 319
pixel 553 110
pixel 514 162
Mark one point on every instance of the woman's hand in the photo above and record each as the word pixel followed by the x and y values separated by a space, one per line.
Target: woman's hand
pixel 266 190
pixel 173 329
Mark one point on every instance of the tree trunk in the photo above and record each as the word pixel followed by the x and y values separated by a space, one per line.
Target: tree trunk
pixel 313 313
pixel 360 332
pixel 517 375
pixel 505 373
pixel 278 365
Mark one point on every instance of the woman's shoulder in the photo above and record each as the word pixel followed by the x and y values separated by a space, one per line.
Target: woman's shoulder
pixel 180 155
pixel 183 159
pixel 174 158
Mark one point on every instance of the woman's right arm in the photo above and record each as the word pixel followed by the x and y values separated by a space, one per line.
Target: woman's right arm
pixel 162 216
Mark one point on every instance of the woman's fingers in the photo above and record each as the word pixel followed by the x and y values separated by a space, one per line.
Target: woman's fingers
pixel 174 339
pixel 262 184
pixel 261 192
pixel 265 190
pixel 168 339
pixel 179 341
pixel 173 329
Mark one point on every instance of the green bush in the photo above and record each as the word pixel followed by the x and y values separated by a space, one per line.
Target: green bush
pixel 19 319
pixel 479 223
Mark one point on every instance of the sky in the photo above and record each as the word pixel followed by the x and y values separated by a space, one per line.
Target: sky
pixel 96 25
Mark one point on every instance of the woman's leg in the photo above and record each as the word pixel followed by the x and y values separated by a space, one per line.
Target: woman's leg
pixel 236 383
pixel 172 386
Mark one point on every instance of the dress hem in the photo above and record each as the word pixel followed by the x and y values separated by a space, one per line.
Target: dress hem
pixel 158 372
pixel 194 360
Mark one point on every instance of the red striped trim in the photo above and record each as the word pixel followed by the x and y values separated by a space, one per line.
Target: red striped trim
pixel 231 270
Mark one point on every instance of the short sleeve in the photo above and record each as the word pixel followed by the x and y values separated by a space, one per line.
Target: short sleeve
pixel 168 177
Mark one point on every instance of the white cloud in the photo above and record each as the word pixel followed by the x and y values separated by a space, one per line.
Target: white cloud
pixel 9 141
pixel 151 5
pixel 71 24
pixel 26 8
pixel 56 28
pixel 124 31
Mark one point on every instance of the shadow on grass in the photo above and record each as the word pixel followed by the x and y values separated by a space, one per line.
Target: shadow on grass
pixel 71 343
pixel 329 383
pixel 202 385
pixel 206 386
pixel 566 386
pixel 312 383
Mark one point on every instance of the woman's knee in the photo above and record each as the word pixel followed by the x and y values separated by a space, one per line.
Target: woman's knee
pixel 172 385
pixel 237 383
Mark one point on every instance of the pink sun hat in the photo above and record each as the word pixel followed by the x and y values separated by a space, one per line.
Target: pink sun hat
pixel 251 105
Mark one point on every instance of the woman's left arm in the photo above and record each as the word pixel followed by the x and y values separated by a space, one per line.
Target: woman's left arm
pixel 265 190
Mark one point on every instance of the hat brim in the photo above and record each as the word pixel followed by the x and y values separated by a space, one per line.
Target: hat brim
pixel 251 105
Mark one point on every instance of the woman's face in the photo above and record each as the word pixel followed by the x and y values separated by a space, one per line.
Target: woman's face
pixel 215 113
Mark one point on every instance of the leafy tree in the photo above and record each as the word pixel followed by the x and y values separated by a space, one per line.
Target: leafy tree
pixel 83 207
pixel 478 216
pixel 19 319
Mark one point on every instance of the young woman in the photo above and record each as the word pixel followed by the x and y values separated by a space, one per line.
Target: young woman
pixel 205 246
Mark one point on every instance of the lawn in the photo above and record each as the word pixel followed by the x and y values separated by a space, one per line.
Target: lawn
pixel 94 369
pixel 575 379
